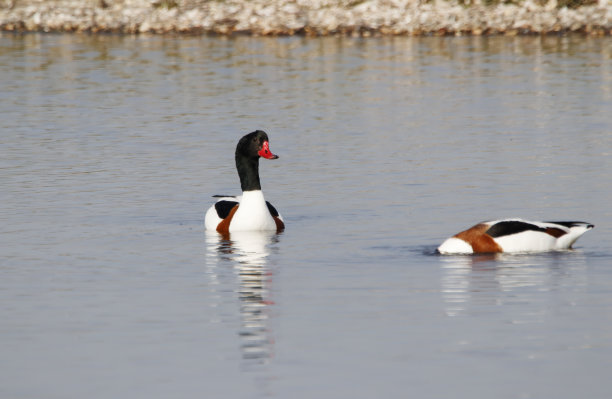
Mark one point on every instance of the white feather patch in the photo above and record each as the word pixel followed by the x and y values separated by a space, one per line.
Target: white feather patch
pixel 455 245
pixel 211 220
pixel 252 214
pixel 527 241
pixel 566 241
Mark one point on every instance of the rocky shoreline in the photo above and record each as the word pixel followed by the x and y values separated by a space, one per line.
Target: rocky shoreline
pixel 304 17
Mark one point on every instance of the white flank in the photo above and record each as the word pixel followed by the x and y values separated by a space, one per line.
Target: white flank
pixel 211 220
pixel 527 241
pixel 455 246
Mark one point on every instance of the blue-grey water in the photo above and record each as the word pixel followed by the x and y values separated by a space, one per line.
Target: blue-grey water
pixel 110 150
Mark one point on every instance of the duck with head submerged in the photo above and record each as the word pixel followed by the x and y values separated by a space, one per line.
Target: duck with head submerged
pixel 250 211
pixel 515 236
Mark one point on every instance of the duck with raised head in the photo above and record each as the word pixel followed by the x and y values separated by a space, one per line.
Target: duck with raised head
pixel 515 235
pixel 250 211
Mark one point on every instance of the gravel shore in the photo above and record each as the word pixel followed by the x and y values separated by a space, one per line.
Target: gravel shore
pixel 304 17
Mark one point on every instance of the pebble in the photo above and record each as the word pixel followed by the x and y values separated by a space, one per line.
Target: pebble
pixel 305 17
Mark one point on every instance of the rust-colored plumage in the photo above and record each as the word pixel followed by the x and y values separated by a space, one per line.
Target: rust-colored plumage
pixel 280 226
pixel 555 232
pixel 223 226
pixel 480 241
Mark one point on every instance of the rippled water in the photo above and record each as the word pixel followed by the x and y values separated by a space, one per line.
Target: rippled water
pixel 111 147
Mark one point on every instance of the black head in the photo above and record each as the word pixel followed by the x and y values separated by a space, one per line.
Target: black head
pixel 255 145
pixel 248 151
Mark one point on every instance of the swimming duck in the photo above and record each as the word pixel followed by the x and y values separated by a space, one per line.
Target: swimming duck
pixel 515 235
pixel 250 211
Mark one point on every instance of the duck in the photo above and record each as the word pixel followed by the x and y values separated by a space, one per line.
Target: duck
pixel 249 211
pixel 515 236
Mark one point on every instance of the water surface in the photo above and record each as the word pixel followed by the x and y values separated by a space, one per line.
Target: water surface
pixel 111 147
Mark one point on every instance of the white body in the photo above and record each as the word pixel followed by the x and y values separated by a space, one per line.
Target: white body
pixel 525 241
pixel 252 214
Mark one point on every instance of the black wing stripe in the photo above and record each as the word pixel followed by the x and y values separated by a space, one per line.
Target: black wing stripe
pixel 570 224
pixel 224 207
pixel 272 209
pixel 510 227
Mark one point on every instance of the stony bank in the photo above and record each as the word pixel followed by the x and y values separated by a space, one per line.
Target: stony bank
pixel 309 17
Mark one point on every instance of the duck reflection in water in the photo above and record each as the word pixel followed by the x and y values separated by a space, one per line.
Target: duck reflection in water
pixel 247 252
pixel 488 280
